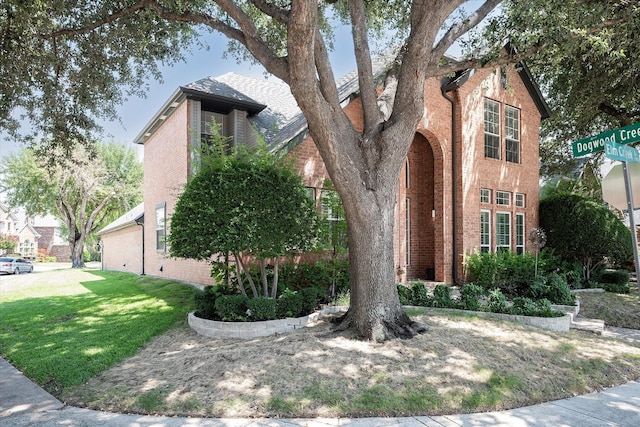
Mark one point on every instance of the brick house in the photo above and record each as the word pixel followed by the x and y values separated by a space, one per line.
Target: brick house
pixel 470 181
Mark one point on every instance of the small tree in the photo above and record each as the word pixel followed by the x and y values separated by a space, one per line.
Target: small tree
pixel 246 204
pixel 579 229
pixel 8 242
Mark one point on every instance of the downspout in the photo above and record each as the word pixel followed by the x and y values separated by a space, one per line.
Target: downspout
pixel 454 184
pixel 141 224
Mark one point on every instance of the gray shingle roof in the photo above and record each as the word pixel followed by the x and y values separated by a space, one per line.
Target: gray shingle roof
pixel 126 220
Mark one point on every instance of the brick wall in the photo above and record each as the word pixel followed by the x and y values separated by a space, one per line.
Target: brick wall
pixel 166 165
pixel 121 250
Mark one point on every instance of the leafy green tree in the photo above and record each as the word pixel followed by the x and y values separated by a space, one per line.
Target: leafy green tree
pixel 67 61
pixel 579 229
pixel 8 242
pixel 248 205
pixel 84 192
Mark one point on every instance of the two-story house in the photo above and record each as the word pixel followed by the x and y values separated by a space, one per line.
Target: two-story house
pixel 470 181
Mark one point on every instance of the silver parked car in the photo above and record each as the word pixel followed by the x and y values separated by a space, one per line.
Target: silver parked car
pixel 13 265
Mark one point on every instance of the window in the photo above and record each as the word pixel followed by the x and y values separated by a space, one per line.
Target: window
pixel 512 133
pixel 407 181
pixel 491 129
pixel 503 231
pixel 485 231
pixel 503 198
pixel 519 234
pixel 520 200
pixel 161 227
pixel 311 193
pixel 407 233
pixel 485 195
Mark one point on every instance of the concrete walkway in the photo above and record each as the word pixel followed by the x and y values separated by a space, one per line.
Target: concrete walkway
pixel 23 403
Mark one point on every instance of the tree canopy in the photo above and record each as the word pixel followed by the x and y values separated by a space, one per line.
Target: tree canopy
pixel 84 192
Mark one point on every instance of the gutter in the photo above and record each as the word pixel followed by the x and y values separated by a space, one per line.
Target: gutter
pixel 141 224
pixel 448 86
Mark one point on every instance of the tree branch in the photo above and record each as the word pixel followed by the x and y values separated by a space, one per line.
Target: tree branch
pixel 458 29
pixel 372 119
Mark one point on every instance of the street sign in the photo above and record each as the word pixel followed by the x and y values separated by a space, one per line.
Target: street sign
pixel 624 153
pixel 625 135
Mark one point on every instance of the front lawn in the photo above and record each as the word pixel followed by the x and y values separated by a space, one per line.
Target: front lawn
pixel 66 326
pixel 617 310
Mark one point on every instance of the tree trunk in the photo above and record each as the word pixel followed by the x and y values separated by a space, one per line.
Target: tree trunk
pixel 77 252
pixel 375 310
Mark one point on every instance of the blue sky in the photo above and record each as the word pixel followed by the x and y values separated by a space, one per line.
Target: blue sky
pixel 200 63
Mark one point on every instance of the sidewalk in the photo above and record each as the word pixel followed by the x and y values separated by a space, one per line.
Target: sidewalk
pixel 23 403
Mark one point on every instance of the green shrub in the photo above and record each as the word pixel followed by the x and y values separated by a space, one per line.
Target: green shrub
pixel 617 277
pixel 261 308
pixel 420 294
pixel 505 270
pixel 442 297
pixel 310 298
pixel 332 276
pixel 289 304
pixel 616 288
pixel 497 302
pixel 470 295
pixel 523 306
pixel 205 303
pixel 231 308
pixel 404 294
pixel 558 290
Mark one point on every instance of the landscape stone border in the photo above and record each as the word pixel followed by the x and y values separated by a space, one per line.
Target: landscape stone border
pixel 249 330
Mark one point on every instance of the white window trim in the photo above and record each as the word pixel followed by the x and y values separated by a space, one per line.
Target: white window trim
pixel 488 245
pixel 508 193
pixel 522 202
pixel 161 246
pixel 515 229
pixel 499 126
pixel 488 194
pixel 508 222
pixel 510 107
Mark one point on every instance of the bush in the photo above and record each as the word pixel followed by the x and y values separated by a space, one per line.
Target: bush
pixel 289 304
pixel 231 308
pixel 558 290
pixel 404 294
pixel 331 276
pixel 205 303
pixel 310 298
pixel 420 294
pixel 523 306
pixel 442 297
pixel 470 295
pixel 497 302
pixel 507 271
pixel 617 277
pixel 261 308
pixel 616 288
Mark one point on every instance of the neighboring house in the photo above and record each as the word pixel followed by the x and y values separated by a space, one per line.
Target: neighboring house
pixel 122 242
pixel 51 242
pixel 8 224
pixel 28 246
pixel 470 181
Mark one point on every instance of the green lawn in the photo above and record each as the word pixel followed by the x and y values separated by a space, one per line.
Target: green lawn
pixel 65 326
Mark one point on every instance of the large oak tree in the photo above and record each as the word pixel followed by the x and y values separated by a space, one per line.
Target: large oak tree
pixel 66 60
pixel 85 191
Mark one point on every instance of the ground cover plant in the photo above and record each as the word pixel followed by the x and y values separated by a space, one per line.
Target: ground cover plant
pixel 63 327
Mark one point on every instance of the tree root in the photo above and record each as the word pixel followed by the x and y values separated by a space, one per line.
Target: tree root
pixel 381 330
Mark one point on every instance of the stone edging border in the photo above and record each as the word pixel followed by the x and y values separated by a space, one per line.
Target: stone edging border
pixel 249 330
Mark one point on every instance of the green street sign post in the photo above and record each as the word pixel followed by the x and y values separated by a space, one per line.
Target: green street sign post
pixel 593 144
pixel 612 142
pixel 623 153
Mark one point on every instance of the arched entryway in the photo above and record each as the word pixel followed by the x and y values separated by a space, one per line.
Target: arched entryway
pixel 420 209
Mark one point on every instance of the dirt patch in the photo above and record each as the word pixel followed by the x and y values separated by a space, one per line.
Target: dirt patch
pixel 461 364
